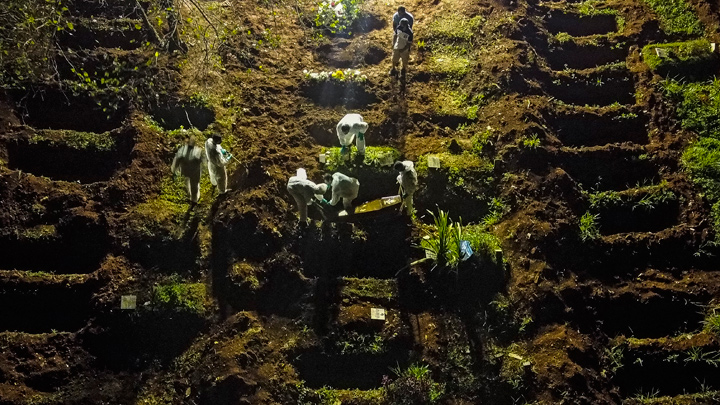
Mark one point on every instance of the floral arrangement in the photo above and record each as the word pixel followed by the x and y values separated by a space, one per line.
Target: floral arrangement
pixel 347 75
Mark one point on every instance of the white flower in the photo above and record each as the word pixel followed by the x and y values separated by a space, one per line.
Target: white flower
pixel 357 73
pixel 305 71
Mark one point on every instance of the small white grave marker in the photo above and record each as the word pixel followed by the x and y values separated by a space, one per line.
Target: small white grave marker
pixel 377 314
pixel 713 46
pixel 322 158
pixel 661 53
pixel 128 302
pixel 386 160
pixel 433 162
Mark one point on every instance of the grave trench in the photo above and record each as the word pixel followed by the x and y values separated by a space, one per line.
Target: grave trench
pixel 668 378
pixel 574 56
pixel 79 250
pixel 586 129
pixel 174 115
pixel 577 25
pixel 332 94
pixel 46 306
pixel 56 109
pixel 102 33
pixel 607 169
pixel 43 158
pixel 588 91
pixel 629 218
pixel 106 8
pixel 653 317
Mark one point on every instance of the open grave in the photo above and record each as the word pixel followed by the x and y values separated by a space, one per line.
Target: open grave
pixel 596 89
pixel 583 56
pixel 107 9
pixel 579 25
pixel 56 109
pixel 632 217
pixel 610 168
pixel 331 93
pixel 590 129
pixel 668 373
pixel 103 33
pixel 55 154
pixel 175 115
pixel 47 304
pixel 78 250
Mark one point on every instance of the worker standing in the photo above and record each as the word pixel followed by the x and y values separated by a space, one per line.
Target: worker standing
pixel 408 183
pixel 217 158
pixel 343 187
pixel 402 40
pixel 402 13
pixel 304 192
pixel 188 162
pixel 351 126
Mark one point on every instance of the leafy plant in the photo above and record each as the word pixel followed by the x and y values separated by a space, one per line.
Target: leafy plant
pixel 443 245
pixel 588 226
pixel 531 142
pixel 679 54
pixel 413 386
pixel 498 209
pixel 174 294
pixel 712 322
pixel 336 16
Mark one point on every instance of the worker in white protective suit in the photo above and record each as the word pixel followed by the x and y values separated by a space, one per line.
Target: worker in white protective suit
pixel 305 192
pixel 343 187
pixel 351 126
pixel 408 183
pixel 217 158
pixel 188 162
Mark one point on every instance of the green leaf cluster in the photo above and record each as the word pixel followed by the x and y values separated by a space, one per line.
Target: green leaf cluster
pixel 677 17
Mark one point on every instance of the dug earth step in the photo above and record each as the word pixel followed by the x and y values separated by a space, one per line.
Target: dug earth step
pixel 107 9
pixel 578 25
pixel 52 108
pixel 584 128
pixel 91 33
pixel 343 53
pixel 48 302
pixel 330 93
pixel 633 217
pixel 572 55
pixel 607 168
pixel 594 89
pixel 48 153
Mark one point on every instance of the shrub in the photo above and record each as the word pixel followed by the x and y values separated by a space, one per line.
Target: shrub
pixel 327 19
pixel 414 386
pixel 177 295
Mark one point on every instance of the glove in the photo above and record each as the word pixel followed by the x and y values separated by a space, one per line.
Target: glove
pixel 361 136
pixel 325 202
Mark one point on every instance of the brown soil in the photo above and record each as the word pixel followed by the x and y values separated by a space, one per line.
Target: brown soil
pixel 80 227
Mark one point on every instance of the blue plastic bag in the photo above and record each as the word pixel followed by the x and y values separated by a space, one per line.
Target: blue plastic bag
pixel 465 250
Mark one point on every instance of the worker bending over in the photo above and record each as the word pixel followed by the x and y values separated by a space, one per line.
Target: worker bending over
pixel 188 162
pixel 217 158
pixel 351 125
pixel 305 192
pixel 343 187
pixel 408 183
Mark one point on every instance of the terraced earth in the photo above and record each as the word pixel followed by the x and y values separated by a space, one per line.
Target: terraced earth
pixel 578 155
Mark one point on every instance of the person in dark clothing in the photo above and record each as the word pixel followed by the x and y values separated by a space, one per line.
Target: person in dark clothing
pixel 402 40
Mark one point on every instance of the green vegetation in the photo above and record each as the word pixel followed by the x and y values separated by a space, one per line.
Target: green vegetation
pixel 39 232
pixel 327 19
pixel 451 39
pixel 497 209
pixel 482 242
pixel 590 8
pixel 531 142
pixel 413 386
pixel 76 139
pixel 461 170
pixel 481 139
pixel 454 28
pixel 680 55
pixel 449 63
pixel 697 105
pixel 174 294
pixel 368 288
pixel 588 226
pixel 352 342
pixel 375 156
pixel 711 323
pixel 677 17
pixel 650 197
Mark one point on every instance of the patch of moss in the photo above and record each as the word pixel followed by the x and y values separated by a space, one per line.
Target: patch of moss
pixel 679 55
pixel 449 64
pixel 677 17
pixel 450 102
pixel 246 274
pixel 368 288
pixel 454 27
pixel 39 232
pixel 76 139
pixel 174 294
pixel 462 169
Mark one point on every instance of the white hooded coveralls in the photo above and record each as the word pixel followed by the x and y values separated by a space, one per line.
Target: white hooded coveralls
pixel 304 191
pixel 409 182
pixel 346 188
pixel 358 127
pixel 188 162
pixel 216 165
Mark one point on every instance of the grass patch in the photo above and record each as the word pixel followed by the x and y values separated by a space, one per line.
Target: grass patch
pixel 589 228
pixel 413 385
pixel 369 288
pixel 454 28
pixel 375 156
pixel 39 232
pixel 76 139
pixel 173 294
pixel 461 170
pixel 449 64
pixel 677 17
pixel 679 54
